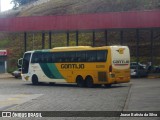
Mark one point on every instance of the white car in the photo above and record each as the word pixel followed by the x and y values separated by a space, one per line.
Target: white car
pixel 17 73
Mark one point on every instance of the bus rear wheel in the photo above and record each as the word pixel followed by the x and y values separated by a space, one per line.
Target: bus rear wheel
pixel 35 80
pixel 89 82
pixel 80 81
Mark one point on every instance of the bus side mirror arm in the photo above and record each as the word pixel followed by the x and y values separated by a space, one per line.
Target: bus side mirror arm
pixel 19 63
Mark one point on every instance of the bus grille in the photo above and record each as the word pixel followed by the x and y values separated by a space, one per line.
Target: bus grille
pixel 102 76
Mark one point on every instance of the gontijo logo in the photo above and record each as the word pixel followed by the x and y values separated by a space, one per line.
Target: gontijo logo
pixel 121 50
pixel 120 62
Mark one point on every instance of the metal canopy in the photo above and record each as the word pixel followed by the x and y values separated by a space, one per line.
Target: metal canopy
pixel 111 20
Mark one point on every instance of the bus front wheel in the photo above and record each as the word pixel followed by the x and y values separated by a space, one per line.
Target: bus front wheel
pixel 35 80
pixel 108 85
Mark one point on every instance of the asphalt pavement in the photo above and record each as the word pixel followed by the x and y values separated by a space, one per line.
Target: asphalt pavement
pixel 142 94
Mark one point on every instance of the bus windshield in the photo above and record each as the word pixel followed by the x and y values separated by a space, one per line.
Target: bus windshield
pixel 25 65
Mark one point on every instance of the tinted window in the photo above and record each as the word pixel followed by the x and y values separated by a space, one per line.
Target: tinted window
pixel 101 56
pixel 77 56
pixel 70 57
pixel 36 57
pixel 27 57
pixel 81 56
pixel 46 57
pixel 25 64
pixel 42 57
pixel 91 56
pixel 59 57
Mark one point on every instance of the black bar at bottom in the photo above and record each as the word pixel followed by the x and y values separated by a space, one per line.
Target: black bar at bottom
pixel 23 114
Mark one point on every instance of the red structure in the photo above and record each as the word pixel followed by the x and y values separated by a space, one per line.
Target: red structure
pixel 135 19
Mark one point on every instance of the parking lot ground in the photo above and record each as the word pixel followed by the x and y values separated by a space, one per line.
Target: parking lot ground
pixel 141 94
pixel 144 95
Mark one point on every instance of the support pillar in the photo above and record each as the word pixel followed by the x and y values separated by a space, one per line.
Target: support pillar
pixel 151 47
pixel 67 38
pixel 25 41
pixel 121 35
pixel 137 45
pixel 77 38
pixel 106 37
pixel 43 40
pixel 50 40
pixel 93 39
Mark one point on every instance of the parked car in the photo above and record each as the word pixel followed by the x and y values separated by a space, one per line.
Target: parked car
pixel 138 70
pixel 138 64
pixel 153 69
pixel 157 69
pixel 17 73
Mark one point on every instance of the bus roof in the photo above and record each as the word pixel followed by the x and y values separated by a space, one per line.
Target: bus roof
pixel 74 48
pixel 81 48
pixel 43 50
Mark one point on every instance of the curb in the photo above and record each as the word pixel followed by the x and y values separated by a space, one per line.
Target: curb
pixel 153 77
pixel 5 76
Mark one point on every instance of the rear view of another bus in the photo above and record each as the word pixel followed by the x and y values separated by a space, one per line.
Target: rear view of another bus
pixel 120 64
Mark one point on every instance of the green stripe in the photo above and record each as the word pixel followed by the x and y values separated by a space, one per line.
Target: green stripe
pixel 50 70
pixel 54 70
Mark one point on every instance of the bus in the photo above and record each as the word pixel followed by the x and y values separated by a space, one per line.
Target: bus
pixel 84 65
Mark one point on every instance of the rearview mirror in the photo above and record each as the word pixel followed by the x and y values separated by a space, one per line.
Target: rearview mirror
pixel 20 62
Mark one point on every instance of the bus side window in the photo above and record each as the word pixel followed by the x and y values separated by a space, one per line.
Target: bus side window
pixel 91 56
pixel 66 57
pixel 47 57
pixel 101 56
pixel 73 57
pixel 35 58
pixel 53 58
pixel 81 56
pixel 70 57
pixel 41 56
pixel 59 57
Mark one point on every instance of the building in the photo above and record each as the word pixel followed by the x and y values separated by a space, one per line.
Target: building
pixel 3 61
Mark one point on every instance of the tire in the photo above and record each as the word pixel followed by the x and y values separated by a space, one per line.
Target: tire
pixel 97 85
pixel 80 81
pixel 51 83
pixel 35 80
pixel 108 85
pixel 89 82
pixel 16 76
